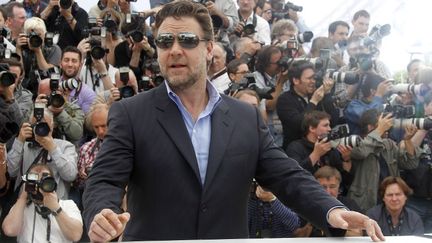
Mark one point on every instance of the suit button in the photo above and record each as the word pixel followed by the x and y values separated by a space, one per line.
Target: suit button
pixel 203 208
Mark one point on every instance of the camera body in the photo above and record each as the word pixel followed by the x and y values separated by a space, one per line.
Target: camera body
pixel 32 183
pixel 400 111
pixel 97 51
pixel 6 77
pixel 39 128
pixel 248 82
pixel 339 135
pixel 126 91
pixel 35 40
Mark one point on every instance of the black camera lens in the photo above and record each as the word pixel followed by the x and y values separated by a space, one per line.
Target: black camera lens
pixel 35 40
pixel 97 52
pixel 249 29
pixel 110 25
pixel 7 78
pixel 137 36
pixel 48 184
pixel 56 100
pixel 126 92
pixel 65 4
pixel 41 129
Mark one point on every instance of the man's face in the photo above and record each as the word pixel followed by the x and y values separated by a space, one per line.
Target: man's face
pixel 242 69
pixel 267 12
pixel 413 71
pixel 273 68
pixel 394 198
pixel 99 123
pixel 306 84
pixel 331 185
pixel 70 64
pixel 246 5
pixel 183 67
pixel 250 46
pixel 341 33
pixel 361 25
pixel 219 59
pixel 16 23
pixel 322 128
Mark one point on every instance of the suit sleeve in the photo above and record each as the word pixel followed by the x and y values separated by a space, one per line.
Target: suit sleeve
pixel 110 174
pixel 292 185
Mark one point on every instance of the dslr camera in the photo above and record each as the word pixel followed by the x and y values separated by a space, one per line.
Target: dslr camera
pixel 6 78
pixel 32 183
pixel 126 91
pixel 55 99
pixel 40 127
pixel 340 135
pixel 249 82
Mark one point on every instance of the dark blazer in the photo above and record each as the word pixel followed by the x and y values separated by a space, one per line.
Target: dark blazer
pixel 148 149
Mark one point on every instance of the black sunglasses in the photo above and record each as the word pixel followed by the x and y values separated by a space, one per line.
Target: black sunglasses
pixel 185 39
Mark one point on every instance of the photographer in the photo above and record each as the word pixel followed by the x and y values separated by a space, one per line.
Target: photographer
pixel 247 17
pixel 378 157
pixel 373 90
pixel 112 20
pixel 217 72
pixel 68 116
pixel 74 89
pixel 39 214
pixel 35 53
pixel 136 48
pixel 360 22
pixel 103 5
pixel 246 49
pixel 97 73
pixel 67 19
pixel 16 16
pixel 303 96
pixel 315 150
pixel 35 144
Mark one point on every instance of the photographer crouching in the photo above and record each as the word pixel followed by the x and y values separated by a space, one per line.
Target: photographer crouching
pixel 39 215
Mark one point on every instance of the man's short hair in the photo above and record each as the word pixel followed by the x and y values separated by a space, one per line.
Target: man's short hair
pixel 34 23
pixel 280 26
pixel 264 57
pixel 333 26
pixel 369 117
pixel 412 62
pixel 394 180
pixel 370 81
pixel 253 93
pixel 328 172
pixel 13 62
pixel 72 49
pixel 96 107
pixel 297 68
pixel 232 67
pixel 361 13
pixel 178 9
pixel 239 44
pixel 312 119
pixel 10 7
pixel 321 43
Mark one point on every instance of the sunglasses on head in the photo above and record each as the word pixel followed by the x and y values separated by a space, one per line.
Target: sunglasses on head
pixel 185 39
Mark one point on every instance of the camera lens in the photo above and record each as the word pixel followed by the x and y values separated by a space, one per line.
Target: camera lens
pixel 35 41
pixel 57 100
pixel 7 78
pixel 97 52
pixel 65 4
pixel 249 29
pixel 48 184
pixel 126 92
pixel 110 25
pixel 137 36
pixel 41 129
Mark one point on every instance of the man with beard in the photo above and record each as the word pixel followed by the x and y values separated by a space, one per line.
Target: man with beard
pixel 188 154
pixel 75 90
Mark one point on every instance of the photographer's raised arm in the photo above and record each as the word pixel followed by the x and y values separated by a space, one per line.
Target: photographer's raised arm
pixel 13 222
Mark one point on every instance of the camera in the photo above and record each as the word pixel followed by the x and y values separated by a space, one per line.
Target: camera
pixel 54 99
pixel 249 29
pixel 65 4
pixel 137 36
pixel 376 34
pixel 32 183
pixel 109 23
pixel 248 82
pixel 201 1
pixel 280 9
pixel 339 135
pixel 97 51
pixel 305 37
pixel 39 128
pixel 420 123
pixel 34 39
pixel 126 91
pixel 399 111
pixel 92 31
pixel 49 39
pixel 69 84
pixel 6 78
pixel 419 90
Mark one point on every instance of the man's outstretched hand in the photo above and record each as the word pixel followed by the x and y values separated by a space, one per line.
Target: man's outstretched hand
pixel 107 225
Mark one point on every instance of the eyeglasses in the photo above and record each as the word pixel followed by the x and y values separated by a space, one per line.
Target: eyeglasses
pixel 185 39
pixel 242 72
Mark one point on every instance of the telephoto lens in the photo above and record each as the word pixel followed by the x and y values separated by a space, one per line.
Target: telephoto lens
pixel 7 78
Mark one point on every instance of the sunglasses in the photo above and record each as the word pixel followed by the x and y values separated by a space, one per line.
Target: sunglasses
pixel 185 39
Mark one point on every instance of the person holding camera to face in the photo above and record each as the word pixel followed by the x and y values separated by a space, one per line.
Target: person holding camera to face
pixel 35 144
pixel 37 51
pixel 39 214
pixel 68 116
pixel 66 18
pixel 251 24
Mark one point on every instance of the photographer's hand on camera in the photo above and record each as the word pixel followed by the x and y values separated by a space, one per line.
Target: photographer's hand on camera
pixel 211 7
pixel 318 95
pixel 328 84
pixel 84 47
pixel 384 123
pixel 383 88
pixel 321 147
pixel 114 95
pixel 238 29
pixel 26 132
pixel 47 142
pixel 8 94
pixel 50 200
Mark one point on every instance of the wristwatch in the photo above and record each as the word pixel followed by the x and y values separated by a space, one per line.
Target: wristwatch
pixel 103 75
pixel 57 212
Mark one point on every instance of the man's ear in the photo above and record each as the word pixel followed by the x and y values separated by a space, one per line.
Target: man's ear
pixel 210 52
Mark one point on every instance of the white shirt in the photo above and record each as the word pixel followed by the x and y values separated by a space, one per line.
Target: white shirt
pixel 262 29
pixel 221 82
pixel 40 232
pixel 111 73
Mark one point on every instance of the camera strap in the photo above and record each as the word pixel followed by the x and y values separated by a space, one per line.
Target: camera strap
pixel 43 154
pixel 254 19
pixel 44 212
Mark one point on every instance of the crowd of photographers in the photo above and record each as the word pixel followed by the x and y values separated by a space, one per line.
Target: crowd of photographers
pixel 332 105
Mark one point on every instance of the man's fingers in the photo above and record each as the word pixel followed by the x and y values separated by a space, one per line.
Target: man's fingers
pixel 96 237
pixel 105 223
pixel 113 220
pixel 99 233
pixel 124 218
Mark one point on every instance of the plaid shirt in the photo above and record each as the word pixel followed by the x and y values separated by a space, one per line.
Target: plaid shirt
pixel 87 155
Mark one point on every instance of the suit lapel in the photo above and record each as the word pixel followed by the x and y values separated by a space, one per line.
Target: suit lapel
pixel 221 131
pixel 172 122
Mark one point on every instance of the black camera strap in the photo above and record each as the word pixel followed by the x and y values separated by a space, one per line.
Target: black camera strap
pixel 254 19
pixel 43 154
pixel 44 212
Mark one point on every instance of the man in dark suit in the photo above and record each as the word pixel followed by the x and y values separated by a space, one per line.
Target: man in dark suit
pixel 188 154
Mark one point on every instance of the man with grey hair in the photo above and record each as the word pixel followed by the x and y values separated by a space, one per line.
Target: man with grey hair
pixel 283 30
pixel 32 146
pixel 217 72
